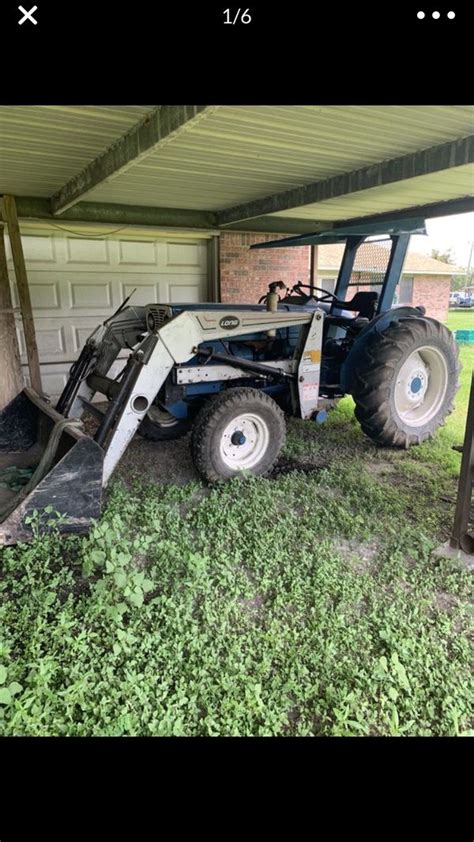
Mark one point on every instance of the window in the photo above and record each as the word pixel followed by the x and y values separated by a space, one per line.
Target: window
pixel 329 284
pixel 406 291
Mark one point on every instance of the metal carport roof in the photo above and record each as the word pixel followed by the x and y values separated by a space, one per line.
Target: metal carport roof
pixel 271 168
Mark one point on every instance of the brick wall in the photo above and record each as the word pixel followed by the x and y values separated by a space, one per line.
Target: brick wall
pixel 433 292
pixel 245 274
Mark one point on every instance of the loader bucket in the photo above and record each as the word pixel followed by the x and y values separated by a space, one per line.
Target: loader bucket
pixel 59 464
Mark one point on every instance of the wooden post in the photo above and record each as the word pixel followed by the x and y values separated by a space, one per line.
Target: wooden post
pixel 10 216
pixel 11 375
pixel 460 539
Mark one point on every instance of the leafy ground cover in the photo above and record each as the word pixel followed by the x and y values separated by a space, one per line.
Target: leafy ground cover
pixel 304 604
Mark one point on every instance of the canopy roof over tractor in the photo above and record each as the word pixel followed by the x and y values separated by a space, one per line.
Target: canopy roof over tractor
pixel 249 168
pixel 339 235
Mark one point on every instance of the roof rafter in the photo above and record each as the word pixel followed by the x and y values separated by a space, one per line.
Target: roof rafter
pixel 30 207
pixel 448 207
pixel 158 127
pixel 455 153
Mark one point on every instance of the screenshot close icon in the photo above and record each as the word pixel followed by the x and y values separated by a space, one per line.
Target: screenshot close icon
pixel 27 16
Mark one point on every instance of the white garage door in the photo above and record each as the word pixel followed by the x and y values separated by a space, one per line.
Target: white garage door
pixel 77 281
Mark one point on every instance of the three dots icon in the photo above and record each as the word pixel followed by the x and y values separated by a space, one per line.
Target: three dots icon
pixel 436 15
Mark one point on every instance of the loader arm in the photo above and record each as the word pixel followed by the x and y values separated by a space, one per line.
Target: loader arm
pixel 69 468
pixel 175 343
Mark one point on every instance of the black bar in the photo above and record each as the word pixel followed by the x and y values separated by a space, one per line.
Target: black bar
pixel 366 284
pixel 239 362
pixel 105 385
pixel 76 374
pixel 132 371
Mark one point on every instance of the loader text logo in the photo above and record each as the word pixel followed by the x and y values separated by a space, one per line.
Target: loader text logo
pixel 229 322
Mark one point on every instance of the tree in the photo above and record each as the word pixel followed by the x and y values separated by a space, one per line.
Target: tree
pixel 458 282
pixel 444 256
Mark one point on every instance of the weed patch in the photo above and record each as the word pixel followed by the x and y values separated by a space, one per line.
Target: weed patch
pixel 305 604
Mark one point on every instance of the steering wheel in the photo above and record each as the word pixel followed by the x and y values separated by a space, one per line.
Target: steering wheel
pixel 326 296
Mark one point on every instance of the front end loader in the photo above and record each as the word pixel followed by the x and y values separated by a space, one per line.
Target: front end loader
pixel 229 374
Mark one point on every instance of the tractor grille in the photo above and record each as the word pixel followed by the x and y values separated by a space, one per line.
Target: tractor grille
pixel 156 316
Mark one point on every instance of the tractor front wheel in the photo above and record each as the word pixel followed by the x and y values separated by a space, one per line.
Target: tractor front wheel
pixel 238 430
pixel 406 381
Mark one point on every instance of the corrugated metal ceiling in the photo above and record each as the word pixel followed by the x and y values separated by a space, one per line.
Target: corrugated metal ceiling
pixel 235 154
pixel 43 146
pixel 240 153
pixel 423 190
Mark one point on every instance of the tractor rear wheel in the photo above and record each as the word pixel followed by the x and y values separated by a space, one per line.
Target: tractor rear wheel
pixel 406 381
pixel 240 429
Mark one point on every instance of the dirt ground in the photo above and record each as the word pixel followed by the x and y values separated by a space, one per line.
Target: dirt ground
pixel 170 462
pixel 167 462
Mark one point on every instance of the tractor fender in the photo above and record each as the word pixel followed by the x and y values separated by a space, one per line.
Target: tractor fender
pixel 380 323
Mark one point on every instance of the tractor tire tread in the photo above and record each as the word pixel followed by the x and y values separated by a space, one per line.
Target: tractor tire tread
pixel 215 411
pixel 156 432
pixel 375 370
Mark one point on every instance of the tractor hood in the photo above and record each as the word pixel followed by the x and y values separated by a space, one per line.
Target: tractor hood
pixel 414 225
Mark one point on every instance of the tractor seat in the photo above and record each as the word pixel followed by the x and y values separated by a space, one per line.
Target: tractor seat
pixel 363 303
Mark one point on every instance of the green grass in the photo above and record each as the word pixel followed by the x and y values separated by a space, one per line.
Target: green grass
pixel 309 604
pixel 460 319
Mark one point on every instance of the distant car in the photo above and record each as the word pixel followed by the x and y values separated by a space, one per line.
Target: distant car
pixel 461 299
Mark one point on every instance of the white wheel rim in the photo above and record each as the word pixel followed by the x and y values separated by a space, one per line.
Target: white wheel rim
pixel 421 386
pixel 244 442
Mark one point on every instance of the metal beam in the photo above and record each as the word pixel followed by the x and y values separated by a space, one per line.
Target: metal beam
pixel 159 126
pixel 112 214
pixel 30 207
pixel 447 208
pixel 346 269
pixel 279 225
pixel 455 153
pixel 393 273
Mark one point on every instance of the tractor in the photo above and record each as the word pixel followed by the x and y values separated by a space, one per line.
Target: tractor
pixel 229 374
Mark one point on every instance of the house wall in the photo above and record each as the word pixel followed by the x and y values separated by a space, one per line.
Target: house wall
pixel 245 274
pixel 433 292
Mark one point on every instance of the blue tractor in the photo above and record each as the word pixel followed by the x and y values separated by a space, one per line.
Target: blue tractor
pixel 230 374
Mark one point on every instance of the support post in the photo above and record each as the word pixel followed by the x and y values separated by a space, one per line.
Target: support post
pixel 313 266
pixel 393 275
pixel 345 270
pixel 214 285
pixel 10 216
pixel 460 539
pixel 11 376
